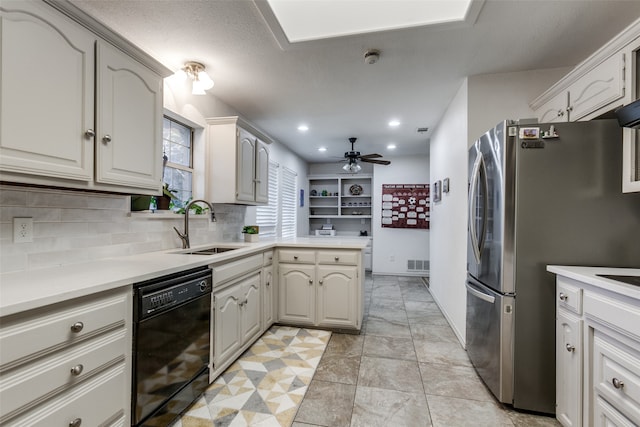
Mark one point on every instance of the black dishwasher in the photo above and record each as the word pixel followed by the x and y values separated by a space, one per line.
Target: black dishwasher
pixel 171 343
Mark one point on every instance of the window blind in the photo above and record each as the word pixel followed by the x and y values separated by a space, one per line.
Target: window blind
pixel 288 203
pixel 267 215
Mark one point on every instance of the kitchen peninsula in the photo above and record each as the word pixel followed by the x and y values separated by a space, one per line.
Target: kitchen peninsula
pixel 66 332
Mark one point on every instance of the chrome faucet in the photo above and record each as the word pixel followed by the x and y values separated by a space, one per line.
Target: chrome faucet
pixel 185 236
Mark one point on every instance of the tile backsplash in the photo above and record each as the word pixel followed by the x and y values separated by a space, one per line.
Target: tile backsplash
pixel 71 227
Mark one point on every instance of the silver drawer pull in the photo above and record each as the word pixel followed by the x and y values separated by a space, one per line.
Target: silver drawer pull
pixel 77 370
pixel 76 423
pixel 268 283
pixel 77 327
pixel 617 383
pixel 337 258
pixel 320 282
pixel 295 257
pixel 563 296
pixel 106 139
pixel 311 281
pixel 570 348
pixel 89 133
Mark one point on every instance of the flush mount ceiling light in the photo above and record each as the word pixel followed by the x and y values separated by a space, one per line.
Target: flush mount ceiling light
pixel 391 147
pixel 200 79
pixel 394 123
pixel 322 149
pixel 303 128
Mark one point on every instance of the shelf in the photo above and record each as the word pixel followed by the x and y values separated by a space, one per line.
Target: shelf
pixel 361 195
pixel 323 197
pixel 339 216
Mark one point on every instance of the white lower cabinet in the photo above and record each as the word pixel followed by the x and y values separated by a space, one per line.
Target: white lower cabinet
pixel 597 355
pixel 320 288
pixel 569 369
pixel 269 298
pixel 236 318
pixel 57 362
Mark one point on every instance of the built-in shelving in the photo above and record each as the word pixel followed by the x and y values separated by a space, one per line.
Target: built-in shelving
pixel 344 201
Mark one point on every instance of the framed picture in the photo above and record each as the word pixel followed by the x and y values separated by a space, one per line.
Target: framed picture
pixel 437 191
pixel 445 185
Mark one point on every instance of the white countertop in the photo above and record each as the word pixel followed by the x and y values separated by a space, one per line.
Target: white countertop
pixel 590 276
pixel 26 290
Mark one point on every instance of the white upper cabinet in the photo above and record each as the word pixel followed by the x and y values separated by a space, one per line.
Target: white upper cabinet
pixel 605 81
pixel 75 111
pixel 47 87
pixel 234 152
pixel 129 118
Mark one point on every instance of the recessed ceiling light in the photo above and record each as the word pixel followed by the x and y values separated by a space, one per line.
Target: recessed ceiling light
pixel 322 149
pixel 303 128
pixel 394 123
pixel 391 147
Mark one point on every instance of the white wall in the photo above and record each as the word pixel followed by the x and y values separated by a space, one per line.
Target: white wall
pixel 448 239
pixel 480 103
pixel 397 243
pixel 197 109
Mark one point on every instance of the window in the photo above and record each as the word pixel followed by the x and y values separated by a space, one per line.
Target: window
pixel 177 145
pixel 278 218
pixel 288 203
pixel 267 215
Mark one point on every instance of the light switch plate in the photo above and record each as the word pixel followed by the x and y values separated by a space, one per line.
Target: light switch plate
pixel 22 230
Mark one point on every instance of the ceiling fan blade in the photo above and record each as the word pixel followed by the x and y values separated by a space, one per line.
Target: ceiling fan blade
pixel 377 162
pixel 370 156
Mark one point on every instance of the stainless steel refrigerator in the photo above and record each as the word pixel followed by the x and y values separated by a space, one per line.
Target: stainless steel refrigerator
pixel 538 194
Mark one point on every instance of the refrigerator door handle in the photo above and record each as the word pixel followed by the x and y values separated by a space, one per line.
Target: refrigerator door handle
pixel 479 168
pixel 488 298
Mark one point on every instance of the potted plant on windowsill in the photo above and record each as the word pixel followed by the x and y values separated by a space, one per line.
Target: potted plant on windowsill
pixel 251 233
pixel 163 202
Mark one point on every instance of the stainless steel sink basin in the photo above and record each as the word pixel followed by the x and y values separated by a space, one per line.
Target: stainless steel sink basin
pixel 211 251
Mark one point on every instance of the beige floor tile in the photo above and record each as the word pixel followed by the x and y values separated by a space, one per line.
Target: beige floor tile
pixel 453 381
pixel 382 327
pixel 427 332
pixel 389 347
pixel 451 412
pixel 327 404
pixel 448 353
pixel 345 344
pixel 376 407
pixel 338 368
pixel 391 374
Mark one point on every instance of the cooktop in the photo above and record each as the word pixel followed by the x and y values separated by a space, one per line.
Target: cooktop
pixel 631 280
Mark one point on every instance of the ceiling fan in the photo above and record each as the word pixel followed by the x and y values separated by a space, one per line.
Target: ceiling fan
pixel 353 156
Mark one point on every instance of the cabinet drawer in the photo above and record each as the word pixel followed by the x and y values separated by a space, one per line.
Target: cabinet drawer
pixel 616 375
pixel 27 336
pixel 605 415
pixel 29 383
pixel 97 402
pixel 297 256
pixel 568 295
pixel 338 257
pixel 623 314
pixel 224 272
pixel 267 258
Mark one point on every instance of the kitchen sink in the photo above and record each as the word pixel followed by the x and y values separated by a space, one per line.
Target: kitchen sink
pixel 211 251
pixel 631 280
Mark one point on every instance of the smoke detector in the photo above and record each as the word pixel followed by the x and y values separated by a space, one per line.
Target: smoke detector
pixel 371 56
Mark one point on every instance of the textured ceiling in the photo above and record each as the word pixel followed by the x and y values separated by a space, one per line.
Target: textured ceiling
pixel 327 85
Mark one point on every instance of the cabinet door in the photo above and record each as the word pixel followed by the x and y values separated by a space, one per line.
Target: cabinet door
pixel 129 116
pixel 268 298
pixel 246 166
pixel 250 313
pixel 227 338
pixel 599 88
pixel 47 87
pixel 568 369
pixel 297 294
pixel 337 295
pixel 262 173
pixel 554 110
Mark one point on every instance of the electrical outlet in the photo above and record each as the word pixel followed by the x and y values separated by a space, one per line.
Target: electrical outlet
pixel 22 230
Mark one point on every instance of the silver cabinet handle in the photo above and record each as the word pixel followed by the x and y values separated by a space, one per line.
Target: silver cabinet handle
pixel 268 283
pixel 563 296
pixel 617 383
pixel 76 423
pixel 77 327
pixel 337 258
pixel 570 108
pixel 570 348
pixel 295 257
pixel 106 139
pixel 311 281
pixel 77 370
pixel 560 113
pixel 89 133
pixel 320 282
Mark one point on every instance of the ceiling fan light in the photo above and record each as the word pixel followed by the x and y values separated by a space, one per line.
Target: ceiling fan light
pixel 352 167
